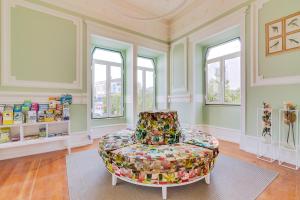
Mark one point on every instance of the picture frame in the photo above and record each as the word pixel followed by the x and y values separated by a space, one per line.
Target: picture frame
pixel 292 23
pixel 275 28
pixel 292 41
pixel 283 35
pixel 274 36
pixel 274 45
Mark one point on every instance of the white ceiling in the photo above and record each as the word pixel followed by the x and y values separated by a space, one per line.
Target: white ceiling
pixel 136 9
pixel 153 9
pixel 165 18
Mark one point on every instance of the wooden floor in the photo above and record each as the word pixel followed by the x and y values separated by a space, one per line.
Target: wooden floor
pixel 43 176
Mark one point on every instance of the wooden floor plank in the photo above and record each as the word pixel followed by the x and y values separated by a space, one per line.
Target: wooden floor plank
pixel 44 176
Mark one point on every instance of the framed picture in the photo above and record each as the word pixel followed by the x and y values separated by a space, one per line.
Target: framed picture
pixel 292 23
pixel 274 45
pixel 274 29
pixel 283 34
pixel 292 41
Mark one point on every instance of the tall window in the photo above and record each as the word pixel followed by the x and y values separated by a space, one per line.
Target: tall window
pixel 146 84
pixel 107 83
pixel 223 73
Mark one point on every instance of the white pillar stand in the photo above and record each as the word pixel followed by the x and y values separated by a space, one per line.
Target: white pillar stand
pixel 207 179
pixel 164 192
pixel 114 180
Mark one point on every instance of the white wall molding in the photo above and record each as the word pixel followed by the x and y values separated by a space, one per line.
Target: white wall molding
pixel 256 78
pixel 98 131
pixel 103 14
pixel 198 98
pixel 184 87
pixel 185 98
pixel 227 134
pixel 132 43
pixel 126 37
pixel 76 139
pixel 234 20
pixel 222 25
pixel 7 79
pixel 8 97
pixel 202 15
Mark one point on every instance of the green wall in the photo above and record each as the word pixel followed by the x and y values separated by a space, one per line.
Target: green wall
pixel 33 46
pixel 227 116
pixel 43 48
pixel 273 66
pixel 280 65
pixel 283 64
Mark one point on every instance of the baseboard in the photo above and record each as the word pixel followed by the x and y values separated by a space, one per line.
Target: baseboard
pixel 77 139
pixel 98 131
pixel 250 145
pixel 227 134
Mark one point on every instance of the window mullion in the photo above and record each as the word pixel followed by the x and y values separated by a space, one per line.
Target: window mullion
pixel 93 88
pixel 144 90
pixel 154 89
pixel 223 79
pixel 108 84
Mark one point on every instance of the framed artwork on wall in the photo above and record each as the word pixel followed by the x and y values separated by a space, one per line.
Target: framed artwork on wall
pixel 293 41
pixel 283 34
pixel 275 45
pixel 275 28
pixel 292 23
pixel 274 37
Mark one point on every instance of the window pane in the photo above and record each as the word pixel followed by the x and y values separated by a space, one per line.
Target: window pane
pixel 116 72
pixel 99 91
pixel 149 93
pixel 106 55
pixel 116 91
pixel 224 49
pixel 213 82
pixel 140 90
pixel 233 80
pixel 145 62
pixel 116 99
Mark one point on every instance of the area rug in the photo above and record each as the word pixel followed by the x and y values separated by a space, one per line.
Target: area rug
pixel 231 179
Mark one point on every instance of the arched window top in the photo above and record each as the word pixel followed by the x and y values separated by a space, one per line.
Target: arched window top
pixel 145 62
pixel 224 49
pixel 107 55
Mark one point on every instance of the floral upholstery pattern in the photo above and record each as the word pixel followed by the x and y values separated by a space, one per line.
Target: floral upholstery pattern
pixel 201 139
pixel 162 164
pixel 143 158
pixel 158 128
pixel 114 141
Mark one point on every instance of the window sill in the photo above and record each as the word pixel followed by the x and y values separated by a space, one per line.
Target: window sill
pixel 214 104
pixel 108 118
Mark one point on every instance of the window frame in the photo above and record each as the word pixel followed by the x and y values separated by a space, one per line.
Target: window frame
pixel 144 70
pixel 221 60
pixel 108 65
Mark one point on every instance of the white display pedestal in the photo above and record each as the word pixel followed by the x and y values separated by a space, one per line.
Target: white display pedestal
pixel 265 147
pixel 288 139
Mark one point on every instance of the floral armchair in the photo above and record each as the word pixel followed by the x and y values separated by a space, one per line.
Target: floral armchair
pixel 159 151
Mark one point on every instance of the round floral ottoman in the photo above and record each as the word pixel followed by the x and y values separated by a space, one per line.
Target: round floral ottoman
pixel 158 153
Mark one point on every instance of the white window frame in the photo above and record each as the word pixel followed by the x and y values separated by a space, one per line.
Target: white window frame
pixel 108 83
pixel 144 70
pixel 222 60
